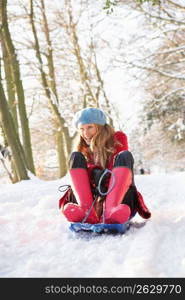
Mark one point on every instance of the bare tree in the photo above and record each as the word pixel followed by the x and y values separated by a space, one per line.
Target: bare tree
pixel 12 65
pixel 159 57
pixel 89 74
pixel 12 138
pixel 63 140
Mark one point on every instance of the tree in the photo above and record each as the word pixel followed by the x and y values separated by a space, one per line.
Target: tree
pixel 157 61
pixel 89 75
pixel 63 140
pixel 12 137
pixel 164 64
pixel 12 65
pixel 87 71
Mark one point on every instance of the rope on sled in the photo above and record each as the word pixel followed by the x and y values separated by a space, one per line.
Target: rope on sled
pixel 64 187
pixel 100 181
pixel 88 212
pixel 102 194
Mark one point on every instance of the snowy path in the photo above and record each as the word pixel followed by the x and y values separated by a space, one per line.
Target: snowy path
pixel 36 242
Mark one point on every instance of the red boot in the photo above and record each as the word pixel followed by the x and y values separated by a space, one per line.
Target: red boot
pixel 73 212
pixel 82 192
pixel 115 212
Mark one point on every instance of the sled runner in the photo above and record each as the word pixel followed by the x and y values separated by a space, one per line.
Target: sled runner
pixel 100 227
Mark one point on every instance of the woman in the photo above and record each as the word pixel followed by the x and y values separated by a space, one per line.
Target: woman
pixel 101 174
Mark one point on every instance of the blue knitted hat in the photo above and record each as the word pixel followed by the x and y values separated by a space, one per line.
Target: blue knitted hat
pixel 89 115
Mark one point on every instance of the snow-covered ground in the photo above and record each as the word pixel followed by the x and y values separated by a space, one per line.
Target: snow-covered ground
pixel 36 241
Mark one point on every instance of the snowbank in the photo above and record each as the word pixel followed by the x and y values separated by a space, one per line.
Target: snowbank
pixel 36 242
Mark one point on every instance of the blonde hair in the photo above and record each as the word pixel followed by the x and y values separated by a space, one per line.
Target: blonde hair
pixel 101 146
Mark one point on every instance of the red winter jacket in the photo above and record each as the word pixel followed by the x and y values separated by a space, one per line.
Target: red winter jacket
pixel 122 145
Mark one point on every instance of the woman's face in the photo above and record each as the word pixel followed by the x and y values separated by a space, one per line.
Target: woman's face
pixel 87 131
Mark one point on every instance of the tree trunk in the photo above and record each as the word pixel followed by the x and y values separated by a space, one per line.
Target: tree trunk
pixel 61 133
pixel 10 85
pixel 61 154
pixel 101 86
pixel 13 177
pixel 84 77
pixel 49 55
pixel 11 136
pixel 18 86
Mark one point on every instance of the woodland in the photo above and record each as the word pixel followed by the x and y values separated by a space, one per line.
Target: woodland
pixel 54 60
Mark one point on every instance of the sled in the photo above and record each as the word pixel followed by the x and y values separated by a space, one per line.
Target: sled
pixel 99 227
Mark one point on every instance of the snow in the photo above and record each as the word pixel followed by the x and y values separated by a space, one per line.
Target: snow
pixel 36 240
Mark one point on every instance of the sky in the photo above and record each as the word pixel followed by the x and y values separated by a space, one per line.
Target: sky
pixel 36 241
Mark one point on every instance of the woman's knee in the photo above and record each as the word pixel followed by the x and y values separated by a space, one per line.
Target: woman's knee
pixel 126 154
pixel 124 158
pixel 77 155
pixel 77 160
